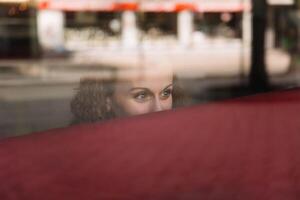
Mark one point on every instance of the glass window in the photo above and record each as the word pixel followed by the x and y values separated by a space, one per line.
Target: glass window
pixel 70 63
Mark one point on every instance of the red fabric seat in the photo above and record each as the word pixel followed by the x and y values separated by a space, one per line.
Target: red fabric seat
pixel 246 148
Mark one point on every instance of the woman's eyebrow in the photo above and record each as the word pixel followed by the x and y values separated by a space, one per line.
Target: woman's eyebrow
pixel 168 86
pixel 139 88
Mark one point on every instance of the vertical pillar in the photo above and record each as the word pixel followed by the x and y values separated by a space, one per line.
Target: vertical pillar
pixel 258 74
pixel 129 30
pixel 246 37
pixel 50 25
pixel 35 50
pixel 247 28
pixel 185 27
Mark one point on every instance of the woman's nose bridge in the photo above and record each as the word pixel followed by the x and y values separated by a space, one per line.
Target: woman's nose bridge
pixel 157 104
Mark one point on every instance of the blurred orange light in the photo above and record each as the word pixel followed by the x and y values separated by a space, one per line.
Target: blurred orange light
pixel 23 7
pixel 185 6
pixel 126 6
pixel 43 5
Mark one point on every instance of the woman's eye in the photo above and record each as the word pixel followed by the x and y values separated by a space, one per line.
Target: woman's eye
pixel 166 94
pixel 142 96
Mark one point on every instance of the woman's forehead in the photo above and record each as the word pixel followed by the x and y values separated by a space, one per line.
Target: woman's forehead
pixel 148 78
pixel 155 83
pixel 145 74
pixel 150 84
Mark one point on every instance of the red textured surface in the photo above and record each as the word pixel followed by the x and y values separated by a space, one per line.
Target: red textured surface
pixel 246 148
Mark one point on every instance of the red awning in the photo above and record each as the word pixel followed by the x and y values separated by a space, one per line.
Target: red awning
pixel 146 6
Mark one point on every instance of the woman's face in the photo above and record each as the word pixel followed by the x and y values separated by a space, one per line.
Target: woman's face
pixel 144 94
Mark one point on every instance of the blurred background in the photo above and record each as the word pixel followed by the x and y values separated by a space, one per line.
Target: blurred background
pixel 219 49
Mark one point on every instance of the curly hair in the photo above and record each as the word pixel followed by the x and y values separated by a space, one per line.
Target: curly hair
pixel 91 102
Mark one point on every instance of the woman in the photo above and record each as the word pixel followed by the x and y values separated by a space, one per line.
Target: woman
pixel 138 93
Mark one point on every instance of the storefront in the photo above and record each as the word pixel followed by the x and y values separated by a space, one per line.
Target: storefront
pixel 131 22
pixel 18 38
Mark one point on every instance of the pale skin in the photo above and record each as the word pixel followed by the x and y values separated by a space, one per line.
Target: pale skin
pixel 144 94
